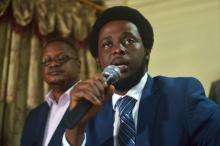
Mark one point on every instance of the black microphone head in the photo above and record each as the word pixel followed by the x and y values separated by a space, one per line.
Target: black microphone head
pixel 112 74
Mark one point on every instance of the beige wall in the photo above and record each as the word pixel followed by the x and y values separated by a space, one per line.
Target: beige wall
pixel 187 38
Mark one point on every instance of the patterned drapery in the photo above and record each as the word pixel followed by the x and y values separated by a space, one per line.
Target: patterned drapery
pixel 24 25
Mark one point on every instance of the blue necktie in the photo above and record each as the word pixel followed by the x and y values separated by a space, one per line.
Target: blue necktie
pixel 127 133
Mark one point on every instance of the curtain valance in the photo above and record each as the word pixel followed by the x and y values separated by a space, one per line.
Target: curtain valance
pixel 68 17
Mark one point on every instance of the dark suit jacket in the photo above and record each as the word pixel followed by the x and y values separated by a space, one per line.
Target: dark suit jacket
pixel 34 128
pixel 215 92
pixel 172 112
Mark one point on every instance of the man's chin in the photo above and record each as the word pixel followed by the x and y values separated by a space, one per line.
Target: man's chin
pixel 56 82
pixel 125 85
pixel 128 81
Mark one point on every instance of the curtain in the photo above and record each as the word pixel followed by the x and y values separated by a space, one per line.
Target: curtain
pixel 24 25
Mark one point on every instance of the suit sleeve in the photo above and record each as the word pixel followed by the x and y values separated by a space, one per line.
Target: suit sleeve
pixel 203 116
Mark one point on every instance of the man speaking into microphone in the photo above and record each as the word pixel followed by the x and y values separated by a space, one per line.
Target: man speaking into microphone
pixel 138 110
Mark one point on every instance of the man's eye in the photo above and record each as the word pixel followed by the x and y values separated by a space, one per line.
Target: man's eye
pixel 62 59
pixel 129 41
pixel 46 61
pixel 107 45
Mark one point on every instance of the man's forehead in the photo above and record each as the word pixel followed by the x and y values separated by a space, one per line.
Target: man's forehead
pixel 118 28
pixel 59 46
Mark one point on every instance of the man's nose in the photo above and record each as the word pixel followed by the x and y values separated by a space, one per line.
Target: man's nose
pixel 54 62
pixel 119 49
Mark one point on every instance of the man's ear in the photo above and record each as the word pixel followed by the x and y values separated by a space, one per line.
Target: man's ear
pixel 148 51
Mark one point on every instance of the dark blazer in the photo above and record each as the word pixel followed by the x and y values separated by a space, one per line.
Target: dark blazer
pixel 215 92
pixel 34 128
pixel 172 112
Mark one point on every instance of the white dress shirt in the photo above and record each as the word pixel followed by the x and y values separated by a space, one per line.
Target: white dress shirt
pixel 135 92
pixel 57 111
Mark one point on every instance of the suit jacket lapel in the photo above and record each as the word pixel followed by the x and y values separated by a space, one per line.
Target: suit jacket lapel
pixel 104 122
pixel 44 113
pixel 58 134
pixel 147 113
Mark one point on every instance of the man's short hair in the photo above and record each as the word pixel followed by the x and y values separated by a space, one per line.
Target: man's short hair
pixel 62 40
pixel 122 13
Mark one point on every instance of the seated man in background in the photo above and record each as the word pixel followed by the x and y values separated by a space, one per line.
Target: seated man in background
pixel 60 67
pixel 138 110
pixel 214 93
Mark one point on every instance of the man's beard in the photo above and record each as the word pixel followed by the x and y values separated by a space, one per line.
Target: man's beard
pixel 128 83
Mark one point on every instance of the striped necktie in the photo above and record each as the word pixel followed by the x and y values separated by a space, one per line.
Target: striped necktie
pixel 127 133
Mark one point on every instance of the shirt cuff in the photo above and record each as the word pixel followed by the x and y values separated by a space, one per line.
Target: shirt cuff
pixel 65 142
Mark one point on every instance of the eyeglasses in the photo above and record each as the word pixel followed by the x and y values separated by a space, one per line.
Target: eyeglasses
pixel 61 59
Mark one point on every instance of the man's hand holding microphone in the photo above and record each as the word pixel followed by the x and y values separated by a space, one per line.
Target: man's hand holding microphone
pixel 87 98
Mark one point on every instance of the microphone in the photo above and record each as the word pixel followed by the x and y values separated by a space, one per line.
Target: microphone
pixel 112 75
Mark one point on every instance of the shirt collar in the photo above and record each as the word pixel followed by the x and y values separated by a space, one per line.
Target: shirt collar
pixel 65 97
pixel 135 92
